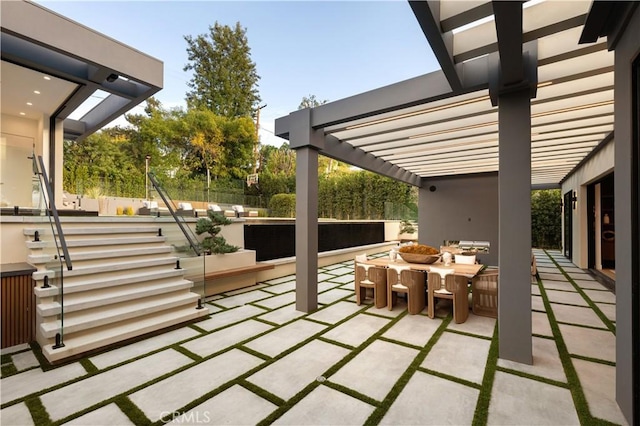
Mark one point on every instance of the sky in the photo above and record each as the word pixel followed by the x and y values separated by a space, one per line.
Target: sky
pixel 330 49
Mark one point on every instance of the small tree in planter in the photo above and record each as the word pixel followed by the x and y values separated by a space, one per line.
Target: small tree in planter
pixel 214 243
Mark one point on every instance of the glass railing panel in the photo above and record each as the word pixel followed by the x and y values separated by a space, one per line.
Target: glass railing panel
pixel 178 226
pixel 54 257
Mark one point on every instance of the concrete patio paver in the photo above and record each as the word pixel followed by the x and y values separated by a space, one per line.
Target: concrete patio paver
pixel 283 338
pixel 577 315
pixel 24 360
pixel 281 280
pixel 333 295
pixel 599 385
pixel 601 296
pixel 292 373
pixel 23 384
pixel 540 324
pixel 537 304
pixel 375 370
pixel 104 416
pixel 580 341
pixel 234 406
pixel 230 316
pixel 116 356
pixel 178 390
pixel 281 288
pixel 314 410
pixel 357 330
pixel 413 329
pixel 227 337
pixel 277 301
pixel 566 297
pixel 282 315
pixel 242 299
pixel 460 356
pixel 335 313
pixel 594 285
pixel 17 414
pixel 558 285
pixel 519 401
pixel 546 361
pixel 608 310
pixel 475 324
pixel 80 395
pixel 431 400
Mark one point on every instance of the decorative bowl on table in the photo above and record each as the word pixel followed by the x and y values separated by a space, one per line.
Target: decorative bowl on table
pixel 419 258
pixel 419 253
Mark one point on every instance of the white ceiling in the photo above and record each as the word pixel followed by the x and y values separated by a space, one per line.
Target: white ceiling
pixel 17 92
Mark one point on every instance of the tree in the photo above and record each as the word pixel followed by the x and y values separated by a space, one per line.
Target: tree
pixel 311 102
pixel 212 225
pixel 546 219
pixel 224 78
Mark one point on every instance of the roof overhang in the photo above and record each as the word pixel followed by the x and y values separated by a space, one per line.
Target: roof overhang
pixel 79 63
pixel 444 123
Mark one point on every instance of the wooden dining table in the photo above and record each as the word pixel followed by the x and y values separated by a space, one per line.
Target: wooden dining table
pixel 468 271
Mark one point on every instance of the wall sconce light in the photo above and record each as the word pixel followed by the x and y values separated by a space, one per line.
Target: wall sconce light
pixel 574 199
pixel 561 205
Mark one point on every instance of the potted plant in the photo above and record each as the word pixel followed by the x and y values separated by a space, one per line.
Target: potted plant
pixel 212 225
pixel 407 231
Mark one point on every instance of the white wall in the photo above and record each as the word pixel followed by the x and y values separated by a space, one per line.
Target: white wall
pixel 595 168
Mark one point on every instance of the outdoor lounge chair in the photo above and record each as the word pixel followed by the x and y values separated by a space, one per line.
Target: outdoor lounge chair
pixel 185 209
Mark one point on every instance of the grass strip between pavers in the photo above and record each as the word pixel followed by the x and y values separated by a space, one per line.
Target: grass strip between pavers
pixel 481 414
pixel 400 384
pixel 38 411
pixel 89 366
pixel 610 325
pixel 575 387
pixel 131 410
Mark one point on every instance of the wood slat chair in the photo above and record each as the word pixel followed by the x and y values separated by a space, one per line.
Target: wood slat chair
pixel 484 293
pixel 442 284
pixel 401 279
pixel 373 277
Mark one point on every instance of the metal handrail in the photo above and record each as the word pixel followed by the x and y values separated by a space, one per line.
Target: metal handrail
pixel 169 203
pixel 53 211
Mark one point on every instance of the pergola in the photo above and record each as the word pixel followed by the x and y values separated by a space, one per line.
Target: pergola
pixel 523 94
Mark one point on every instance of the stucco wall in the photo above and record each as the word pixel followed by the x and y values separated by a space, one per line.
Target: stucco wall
pixel 460 208
pixel 597 167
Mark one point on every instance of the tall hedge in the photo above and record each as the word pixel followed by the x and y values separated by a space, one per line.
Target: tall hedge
pixel 283 205
pixel 546 219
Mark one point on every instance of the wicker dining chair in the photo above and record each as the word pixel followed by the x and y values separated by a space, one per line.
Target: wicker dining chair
pixel 401 279
pixel 442 284
pixel 484 293
pixel 370 277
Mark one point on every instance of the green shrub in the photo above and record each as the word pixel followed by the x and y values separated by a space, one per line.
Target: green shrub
pixel 212 225
pixel 283 205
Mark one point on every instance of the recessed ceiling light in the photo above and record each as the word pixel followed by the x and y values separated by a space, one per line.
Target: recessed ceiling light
pixel 37 92
pixel 22 113
pixel 46 77
pixel 29 103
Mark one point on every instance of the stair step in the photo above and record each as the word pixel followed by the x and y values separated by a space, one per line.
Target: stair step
pixel 114 241
pixel 124 252
pixel 107 267
pixel 107 296
pixel 110 230
pixel 79 343
pixel 85 320
pixel 93 283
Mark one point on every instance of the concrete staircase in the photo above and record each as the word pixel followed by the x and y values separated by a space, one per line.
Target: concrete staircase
pixel 124 283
